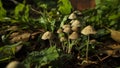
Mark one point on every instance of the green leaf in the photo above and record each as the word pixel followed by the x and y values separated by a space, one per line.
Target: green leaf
pixel 19 8
pixel 26 14
pixel 98 2
pixel 8 51
pixel 2 11
pixel 114 16
pixel 63 21
pixel 64 6
pixel 43 57
pixel 112 23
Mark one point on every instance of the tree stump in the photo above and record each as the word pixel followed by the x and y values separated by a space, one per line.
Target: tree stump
pixel 82 4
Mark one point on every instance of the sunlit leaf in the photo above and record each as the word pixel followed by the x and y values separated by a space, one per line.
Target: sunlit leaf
pixel 19 8
pixel 64 6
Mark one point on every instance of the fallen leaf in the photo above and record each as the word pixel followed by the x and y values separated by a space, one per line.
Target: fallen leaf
pixel 21 37
pixel 114 46
pixel 14 34
pixel 12 28
pixel 115 35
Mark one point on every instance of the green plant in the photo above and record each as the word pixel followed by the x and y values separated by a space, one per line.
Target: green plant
pixel 2 11
pixel 105 13
pixel 42 58
pixel 64 6
pixel 22 12
pixel 8 51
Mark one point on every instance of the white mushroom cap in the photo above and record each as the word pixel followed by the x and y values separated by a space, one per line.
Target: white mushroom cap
pixel 66 26
pixel 73 36
pixel 47 35
pixel 72 21
pixel 72 16
pixel 76 23
pixel 59 31
pixel 88 30
pixel 67 30
pixel 74 28
pixel 15 64
pixel 62 39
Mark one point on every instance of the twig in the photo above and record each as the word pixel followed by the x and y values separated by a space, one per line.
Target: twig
pixel 14 1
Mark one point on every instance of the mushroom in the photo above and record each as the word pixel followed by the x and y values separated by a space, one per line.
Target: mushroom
pixel 59 31
pixel 67 30
pixel 66 26
pixel 74 28
pixel 87 31
pixel 75 23
pixel 15 64
pixel 73 36
pixel 62 39
pixel 72 21
pixel 72 16
pixel 46 35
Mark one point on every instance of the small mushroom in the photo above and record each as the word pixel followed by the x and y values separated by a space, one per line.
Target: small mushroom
pixel 88 30
pixel 15 64
pixel 66 26
pixel 72 16
pixel 73 36
pixel 72 21
pixel 67 30
pixel 74 28
pixel 76 23
pixel 62 39
pixel 47 35
pixel 93 41
pixel 59 31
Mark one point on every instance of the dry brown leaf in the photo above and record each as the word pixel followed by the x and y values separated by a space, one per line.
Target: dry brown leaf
pixel 116 53
pixel 12 28
pixel 21 37
pixel 113 50
pixel 109 52
pixel 34 34
pixel 14 34
pixel 114 46
pixel 115 35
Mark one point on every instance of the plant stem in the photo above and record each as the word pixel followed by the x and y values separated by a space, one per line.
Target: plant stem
pixel 87 48
pixel 69 46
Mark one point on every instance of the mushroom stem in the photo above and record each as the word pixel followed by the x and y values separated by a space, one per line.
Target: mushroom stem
pixel 69 46
pixel 87 48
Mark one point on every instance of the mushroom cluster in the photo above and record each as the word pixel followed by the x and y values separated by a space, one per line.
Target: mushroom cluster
pixel 73 31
